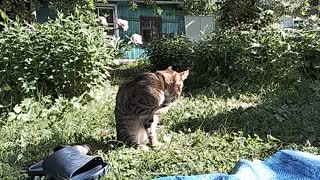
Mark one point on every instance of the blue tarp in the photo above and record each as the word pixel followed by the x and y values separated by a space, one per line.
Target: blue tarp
pixel 283 165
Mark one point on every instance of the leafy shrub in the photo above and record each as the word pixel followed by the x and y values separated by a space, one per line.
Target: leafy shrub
pixel 209 59
pixel 308 47
pixel 217 55
pixel 287 54
pixel 65 56
pixel 268 54
pixel 176 51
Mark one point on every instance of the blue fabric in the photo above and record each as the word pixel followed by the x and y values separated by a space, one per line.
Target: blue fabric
pixel 285 164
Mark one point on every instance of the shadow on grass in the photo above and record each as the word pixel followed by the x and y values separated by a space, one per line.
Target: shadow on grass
pixel 290 114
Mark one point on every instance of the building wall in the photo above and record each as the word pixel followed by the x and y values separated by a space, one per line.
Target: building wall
pixel 196 25
pixel 44 12
pixel 171 23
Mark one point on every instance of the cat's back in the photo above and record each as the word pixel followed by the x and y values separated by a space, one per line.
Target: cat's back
pixel 140 85
pixel 142 81
pixel 141 89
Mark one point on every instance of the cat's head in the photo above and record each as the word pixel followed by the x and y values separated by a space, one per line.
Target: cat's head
pixel 173 82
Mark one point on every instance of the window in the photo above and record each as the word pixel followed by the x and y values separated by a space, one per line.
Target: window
pixel 110 13
pixel 44 12
pixel 314 2
pixel 150 28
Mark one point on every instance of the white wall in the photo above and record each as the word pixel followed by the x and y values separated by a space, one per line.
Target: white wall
pixel 196 25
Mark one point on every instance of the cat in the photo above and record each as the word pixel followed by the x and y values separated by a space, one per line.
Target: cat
pixel 141 101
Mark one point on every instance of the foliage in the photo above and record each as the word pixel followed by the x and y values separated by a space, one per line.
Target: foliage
pixel 173 51
pixel 308 49
pixel 198 7
pixel 75 6
pixel 46 124
pixel 206 133
pixel 61 57
pixel 23 9
pixel 213 58
pixel 217 57
pixel 270 53
pixel 235 13
pixel 121 72
pixel 20 8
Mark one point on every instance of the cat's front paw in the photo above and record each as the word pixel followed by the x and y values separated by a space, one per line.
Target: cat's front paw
pixel 144 147
pixel 157 144
pixel 163 110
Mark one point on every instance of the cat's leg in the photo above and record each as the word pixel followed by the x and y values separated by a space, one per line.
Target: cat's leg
pixel 132 132
pixel 151 130
pixel 162 104
pixel 163 109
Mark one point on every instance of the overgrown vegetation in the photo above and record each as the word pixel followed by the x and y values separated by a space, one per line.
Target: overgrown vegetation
pixel 24 9
pixel 253 89
pixel 269 54
pixel 174 51
pixel 63 57
pixel 205 133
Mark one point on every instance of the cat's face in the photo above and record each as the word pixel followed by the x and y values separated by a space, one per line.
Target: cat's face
pixel 173 82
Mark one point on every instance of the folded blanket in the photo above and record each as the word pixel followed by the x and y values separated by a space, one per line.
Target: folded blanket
pixel 285 164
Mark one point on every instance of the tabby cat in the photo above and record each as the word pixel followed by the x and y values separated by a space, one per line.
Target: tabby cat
pixel 140 102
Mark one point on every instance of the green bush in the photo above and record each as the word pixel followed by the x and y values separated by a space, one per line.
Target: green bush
pixel 217 55
pixel 309 48
pixel 212 58
pixel 176 51
pixel 268 54
pixel 65 56
pixel 280 54
pixel 243 52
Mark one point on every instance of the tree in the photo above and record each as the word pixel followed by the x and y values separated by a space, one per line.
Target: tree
pixel 20 8
pixel 241 12
pixel 199 7
pixel 238 12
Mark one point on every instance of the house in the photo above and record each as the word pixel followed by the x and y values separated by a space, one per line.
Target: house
pixel 141 21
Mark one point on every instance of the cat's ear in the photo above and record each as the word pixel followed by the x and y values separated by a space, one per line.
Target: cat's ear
pixel 169 68
pixel 184 75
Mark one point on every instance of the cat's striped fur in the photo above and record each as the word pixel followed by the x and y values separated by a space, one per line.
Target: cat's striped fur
pixel 140 102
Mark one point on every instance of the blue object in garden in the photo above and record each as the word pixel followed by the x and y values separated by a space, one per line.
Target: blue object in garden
pixel 284 165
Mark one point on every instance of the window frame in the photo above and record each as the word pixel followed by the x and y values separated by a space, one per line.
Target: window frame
pixel 115 15
pixel 152 18
pixel 315 3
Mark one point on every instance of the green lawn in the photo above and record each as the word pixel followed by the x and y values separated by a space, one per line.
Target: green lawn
pixel 205 131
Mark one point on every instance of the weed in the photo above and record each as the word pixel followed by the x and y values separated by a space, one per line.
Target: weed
pixel 206 133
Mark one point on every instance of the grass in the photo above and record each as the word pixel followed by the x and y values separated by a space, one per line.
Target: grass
pixel 206 131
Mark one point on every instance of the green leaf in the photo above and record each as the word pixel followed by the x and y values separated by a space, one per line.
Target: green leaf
pixel 17 109
pixel 6 87
pixel 11 116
